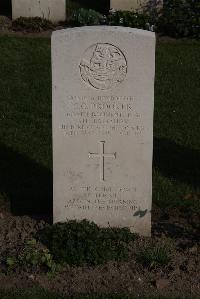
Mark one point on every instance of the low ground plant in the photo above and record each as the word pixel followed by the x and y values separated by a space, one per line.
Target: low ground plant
pixel 180 18
pixel 5 23
pixel 85 17
pixel 31 257
pixel 130 19
pixel 84 242
pixel 154 256
pixel 35 24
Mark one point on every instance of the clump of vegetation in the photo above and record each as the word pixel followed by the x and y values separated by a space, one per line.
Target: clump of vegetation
pixel 37 258
pixel 10 263
pixel 85 17
pixel 130 19
pixel 84 242
pixel 180 18
pixel 5 23
pixel 154 256
pixel 154 9
pixel 32 257
pixel 35 24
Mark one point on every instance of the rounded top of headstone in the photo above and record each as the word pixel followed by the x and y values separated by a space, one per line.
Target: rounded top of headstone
pixel 135 31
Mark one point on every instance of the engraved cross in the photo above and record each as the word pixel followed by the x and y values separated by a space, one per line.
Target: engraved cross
pixel 102 157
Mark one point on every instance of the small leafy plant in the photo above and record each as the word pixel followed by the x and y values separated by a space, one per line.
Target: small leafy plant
pixel 129 19
pixel 33 256
pixel 85 17
pixel 154 256
pixel 180 18
pixel 84 242
pixel 10 263
pixel 35 24
pixel 5 23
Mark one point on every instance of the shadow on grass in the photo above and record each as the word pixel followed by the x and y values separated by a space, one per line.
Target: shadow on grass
pixel 27 184
pixel 177 162
pixel 180 164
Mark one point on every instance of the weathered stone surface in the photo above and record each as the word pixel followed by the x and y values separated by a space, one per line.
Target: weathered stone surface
pixel 103 91
pixel 53 10
pixel 127 4
pixel 133 4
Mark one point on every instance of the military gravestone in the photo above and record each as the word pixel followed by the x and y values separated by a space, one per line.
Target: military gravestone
pixel 128 4
pixel 54 10
pixel 138 5
pixel 103 92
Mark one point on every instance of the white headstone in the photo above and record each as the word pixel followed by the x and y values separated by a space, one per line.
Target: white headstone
pixel 53 10
pixel 138 5
pixel 127 4
pixel 103 94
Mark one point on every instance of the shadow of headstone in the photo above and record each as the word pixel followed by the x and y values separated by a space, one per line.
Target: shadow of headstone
pixel 177 162
pixel 27 184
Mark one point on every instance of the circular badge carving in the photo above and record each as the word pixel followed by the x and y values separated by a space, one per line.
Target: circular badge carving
pixel 103 66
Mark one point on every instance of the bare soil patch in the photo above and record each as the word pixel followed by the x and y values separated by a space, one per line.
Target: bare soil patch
pixel 179 277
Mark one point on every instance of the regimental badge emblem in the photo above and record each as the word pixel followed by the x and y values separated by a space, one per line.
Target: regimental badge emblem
pixel 103 66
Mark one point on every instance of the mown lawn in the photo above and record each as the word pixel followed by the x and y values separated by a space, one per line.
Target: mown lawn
pixel 25 124
pixel 176 180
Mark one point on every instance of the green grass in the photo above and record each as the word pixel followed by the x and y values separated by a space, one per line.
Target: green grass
pixel 154 256
pixel 42 294
pixel 176 124
pixel 25 124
